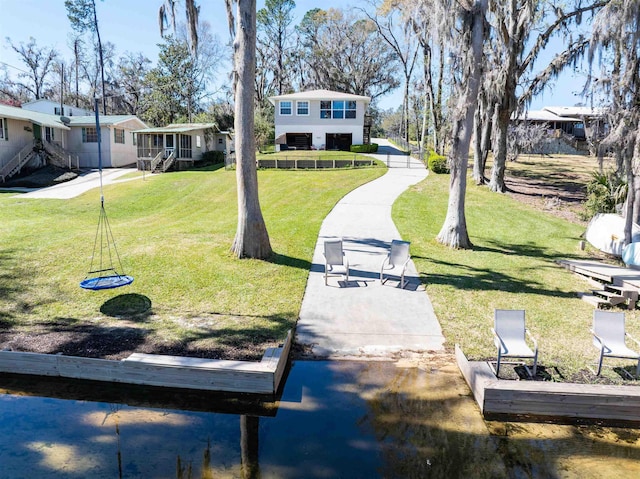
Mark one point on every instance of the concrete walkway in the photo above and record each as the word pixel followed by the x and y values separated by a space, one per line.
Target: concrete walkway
pixel 83 183
pixel 364 318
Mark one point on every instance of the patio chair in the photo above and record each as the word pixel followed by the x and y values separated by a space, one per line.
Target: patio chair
pixel 609 337
pixel 509 334
pixel 334 256
pixel 398 257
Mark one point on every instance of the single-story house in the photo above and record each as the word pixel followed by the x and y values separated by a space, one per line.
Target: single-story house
pixel 321 119
pixel 73 140
pixel 117 142
pixel 571 120
pixel 182 143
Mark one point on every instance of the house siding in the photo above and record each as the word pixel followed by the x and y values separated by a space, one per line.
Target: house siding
pixel 319 127
pixel 18 139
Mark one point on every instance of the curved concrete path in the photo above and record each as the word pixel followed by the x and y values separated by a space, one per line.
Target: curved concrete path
pixel 363 318
pixel 83 183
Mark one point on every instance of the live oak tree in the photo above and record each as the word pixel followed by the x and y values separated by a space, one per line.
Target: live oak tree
pixel 464 23
pixel 616 43
pixel 521 29
pixel 251 239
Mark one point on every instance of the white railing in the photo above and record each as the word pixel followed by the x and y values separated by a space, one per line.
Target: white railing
pixel 156 161
pixel 17 161
pixel 166 164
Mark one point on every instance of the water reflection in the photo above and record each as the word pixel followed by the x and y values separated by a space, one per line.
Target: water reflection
pixel 334 419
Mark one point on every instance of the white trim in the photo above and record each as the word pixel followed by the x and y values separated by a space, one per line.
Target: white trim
pixel 280 105
pixel 298 107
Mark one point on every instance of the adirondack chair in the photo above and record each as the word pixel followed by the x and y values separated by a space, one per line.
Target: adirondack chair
pixel 609 338
pixel 509 336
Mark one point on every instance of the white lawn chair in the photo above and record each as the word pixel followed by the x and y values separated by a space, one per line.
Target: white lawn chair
pixel 509 333
pixel 609 337
pixel 398 257
pixel 334 256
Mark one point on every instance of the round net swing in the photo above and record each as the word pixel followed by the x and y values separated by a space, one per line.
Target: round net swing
pixel 105 271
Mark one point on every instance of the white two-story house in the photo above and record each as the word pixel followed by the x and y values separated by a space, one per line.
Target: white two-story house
pixel 321 119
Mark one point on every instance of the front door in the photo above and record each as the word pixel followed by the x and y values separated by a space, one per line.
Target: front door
pixel 37 131
pixel 168 145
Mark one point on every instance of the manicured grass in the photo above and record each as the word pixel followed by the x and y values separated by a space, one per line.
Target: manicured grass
pixel 173 232
pixel 512 266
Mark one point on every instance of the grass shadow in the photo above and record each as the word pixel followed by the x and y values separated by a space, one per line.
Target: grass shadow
pixel 127 305
pixel 284 260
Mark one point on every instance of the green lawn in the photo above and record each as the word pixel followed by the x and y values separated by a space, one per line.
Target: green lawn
pixel 173 232
pixel 512 266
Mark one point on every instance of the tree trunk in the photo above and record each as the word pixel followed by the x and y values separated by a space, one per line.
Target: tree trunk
pixel 252 239
pixel 454 230
pixel 500 153
pixel 478 127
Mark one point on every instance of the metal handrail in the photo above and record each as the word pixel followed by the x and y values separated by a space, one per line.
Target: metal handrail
pixel 166 164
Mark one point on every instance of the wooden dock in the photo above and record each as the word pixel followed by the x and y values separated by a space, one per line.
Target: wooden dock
pixel 540 400
pixel 255 377
pixel 614 285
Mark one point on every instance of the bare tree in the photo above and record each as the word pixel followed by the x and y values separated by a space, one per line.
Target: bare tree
pixel 403 42
pixel 344 53
pixel 252 239
pixel 467 33
pixel 83 17
pixel 274 33
pixel 40 64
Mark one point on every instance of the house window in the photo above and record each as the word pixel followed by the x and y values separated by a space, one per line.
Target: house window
pixel 325 109
pixel 89 134
pixel 134 138
pixel 197 141
pixel 338 109
pixel 303 108
pixel 48 134
pixel 118 136
pixel 285 108
pixel 58 111
pixel 185 146
pixel 4 133
pixel 219 141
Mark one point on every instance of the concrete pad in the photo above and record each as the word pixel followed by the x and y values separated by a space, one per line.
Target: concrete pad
pixel 363 317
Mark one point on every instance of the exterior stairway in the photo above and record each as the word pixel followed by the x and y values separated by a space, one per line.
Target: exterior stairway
pixel 17 162
pixel 58 156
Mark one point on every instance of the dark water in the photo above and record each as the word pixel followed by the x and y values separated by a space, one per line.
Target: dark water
pixel 334 419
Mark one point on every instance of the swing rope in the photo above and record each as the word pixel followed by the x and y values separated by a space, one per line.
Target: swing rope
pixel 107 277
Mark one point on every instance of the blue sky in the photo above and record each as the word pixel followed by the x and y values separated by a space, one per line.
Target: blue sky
pixel 132 26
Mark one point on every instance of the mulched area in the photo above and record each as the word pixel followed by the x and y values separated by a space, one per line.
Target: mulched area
pixel 46 176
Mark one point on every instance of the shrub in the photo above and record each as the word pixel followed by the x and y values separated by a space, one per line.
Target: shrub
pixel 605 193
pixel 437 163
pixel 213 157
pixel 371 148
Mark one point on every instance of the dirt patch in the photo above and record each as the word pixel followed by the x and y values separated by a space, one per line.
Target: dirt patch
pixel 46 176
